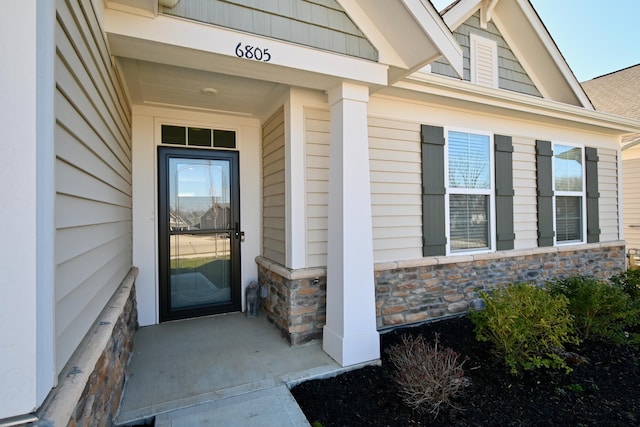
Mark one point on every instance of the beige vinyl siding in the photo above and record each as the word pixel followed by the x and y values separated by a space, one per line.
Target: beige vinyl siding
pixel 273 189
pixel 630 180
pixel 525 220
pixel 396 202
pixel 609 200
pixel 92 176
pixel 317 184
pixel 396 183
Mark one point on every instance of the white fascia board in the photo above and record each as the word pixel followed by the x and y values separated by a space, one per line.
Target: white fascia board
pixel 211 39
pixel 459 13
pixel 447 87
pixel 551 46
pixel 631 144
pixel 386 53
pixel 438 32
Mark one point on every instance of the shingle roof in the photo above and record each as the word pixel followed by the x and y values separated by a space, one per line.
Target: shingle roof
pixel 617 93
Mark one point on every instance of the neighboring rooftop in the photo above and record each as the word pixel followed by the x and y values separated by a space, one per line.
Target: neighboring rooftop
pixel 617 93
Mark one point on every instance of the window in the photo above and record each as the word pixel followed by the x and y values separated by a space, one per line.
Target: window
pixel 484 61
pixel 198 137
pixel 469 191
pixel 569 189
pixel 568 196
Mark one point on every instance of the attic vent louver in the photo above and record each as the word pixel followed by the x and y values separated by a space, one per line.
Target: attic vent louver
pixel 484 61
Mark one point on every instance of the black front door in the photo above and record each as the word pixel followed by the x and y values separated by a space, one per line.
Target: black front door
pixel 199 232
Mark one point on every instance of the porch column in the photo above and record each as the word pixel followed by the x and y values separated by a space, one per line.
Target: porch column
pixel 350 334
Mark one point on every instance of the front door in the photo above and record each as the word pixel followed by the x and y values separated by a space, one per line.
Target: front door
pixel 199 232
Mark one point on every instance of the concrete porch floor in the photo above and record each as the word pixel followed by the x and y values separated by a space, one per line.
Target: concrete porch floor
pixel 219 370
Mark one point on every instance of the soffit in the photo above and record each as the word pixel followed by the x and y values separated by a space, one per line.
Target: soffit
pixel 168 61
pixel 408 34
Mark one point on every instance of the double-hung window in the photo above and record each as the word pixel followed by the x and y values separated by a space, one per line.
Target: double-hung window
pixel 469 191
pixel 569 193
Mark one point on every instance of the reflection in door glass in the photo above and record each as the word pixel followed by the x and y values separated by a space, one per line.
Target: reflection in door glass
pixel 199 194
pixel 199 228
pixel 200 270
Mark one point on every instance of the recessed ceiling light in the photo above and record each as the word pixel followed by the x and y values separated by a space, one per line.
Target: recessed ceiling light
pixel 209 91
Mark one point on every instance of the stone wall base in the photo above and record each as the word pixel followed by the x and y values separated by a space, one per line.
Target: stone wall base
pixel 414 291
pixel 431 288
pixel 296 300
pixel 90 386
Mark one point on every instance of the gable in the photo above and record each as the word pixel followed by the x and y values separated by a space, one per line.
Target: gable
pixel 321 24
pixel 511 75
pixel 529 41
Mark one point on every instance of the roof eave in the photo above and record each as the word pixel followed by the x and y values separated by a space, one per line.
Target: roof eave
pixel 408 34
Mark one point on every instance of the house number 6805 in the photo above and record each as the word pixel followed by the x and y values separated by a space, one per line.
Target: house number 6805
pixel 252 52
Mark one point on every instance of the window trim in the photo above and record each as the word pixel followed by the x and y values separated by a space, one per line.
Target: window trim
pixel 491 192
pixel 560 193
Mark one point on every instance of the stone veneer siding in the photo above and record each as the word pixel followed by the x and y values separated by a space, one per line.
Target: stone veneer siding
pixel 296 301
pixel 90 387
pixel 430 288
pixel 414 291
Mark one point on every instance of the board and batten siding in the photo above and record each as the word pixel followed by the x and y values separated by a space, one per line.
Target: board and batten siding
pixel 317 140
pixel 93 239
pixel 273 189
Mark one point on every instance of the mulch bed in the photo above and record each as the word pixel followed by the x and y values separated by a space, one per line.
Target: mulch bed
pixel 605 391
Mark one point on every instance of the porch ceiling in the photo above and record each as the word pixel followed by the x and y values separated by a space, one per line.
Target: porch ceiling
pixel 155 84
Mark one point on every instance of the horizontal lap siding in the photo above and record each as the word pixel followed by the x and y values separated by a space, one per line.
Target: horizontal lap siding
pixel 609 200
pixel 396 189
pixel 317 184
pixel 630 180
pixel 92 174
pixel 525 221
pixel 273 191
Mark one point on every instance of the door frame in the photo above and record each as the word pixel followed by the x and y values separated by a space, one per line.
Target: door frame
pixel 164 154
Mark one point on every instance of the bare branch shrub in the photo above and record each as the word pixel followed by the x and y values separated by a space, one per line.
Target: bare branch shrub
pixel 427 376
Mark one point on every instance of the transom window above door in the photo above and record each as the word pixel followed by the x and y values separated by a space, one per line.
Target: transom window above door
pixel 198 137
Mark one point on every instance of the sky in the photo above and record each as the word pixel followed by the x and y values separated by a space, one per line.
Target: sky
pixel 594 39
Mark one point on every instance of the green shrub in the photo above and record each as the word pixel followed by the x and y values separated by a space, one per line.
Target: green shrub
pixel 629 282
pixel 527 326
pixel 427 376
pixel 601 311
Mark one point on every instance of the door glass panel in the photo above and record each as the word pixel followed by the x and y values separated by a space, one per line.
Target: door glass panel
pixel 200 230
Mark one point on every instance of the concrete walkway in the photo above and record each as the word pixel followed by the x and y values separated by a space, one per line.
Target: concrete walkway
pixel 220 370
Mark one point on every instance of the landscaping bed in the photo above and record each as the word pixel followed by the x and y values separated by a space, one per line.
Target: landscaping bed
pixel 604 390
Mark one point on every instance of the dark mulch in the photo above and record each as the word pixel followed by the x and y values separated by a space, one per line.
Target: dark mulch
pixel 603 392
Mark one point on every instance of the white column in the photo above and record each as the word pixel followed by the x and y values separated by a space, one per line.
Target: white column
pixel 143 191
pixel 350 334
pixel 26 213
pixel 296 250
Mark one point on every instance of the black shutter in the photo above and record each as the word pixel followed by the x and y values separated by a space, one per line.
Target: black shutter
pixel 593 214
pixel 544 174
pixel 505 235
pixel 434 240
